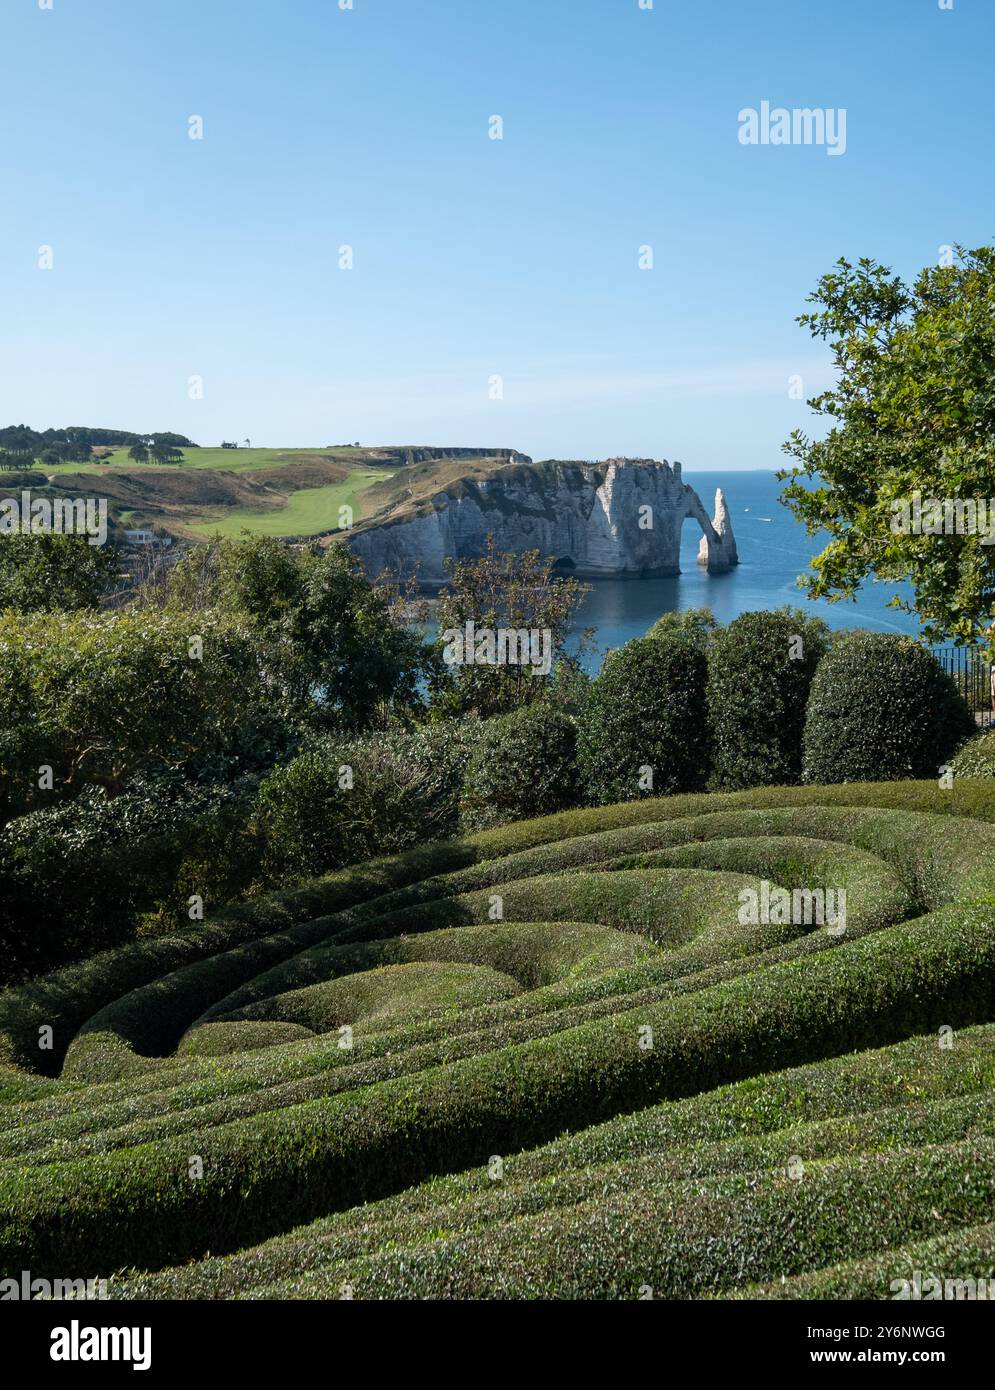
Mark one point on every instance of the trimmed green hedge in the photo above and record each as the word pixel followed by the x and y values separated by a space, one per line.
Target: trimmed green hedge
pixel 760 669
pixel 881 707
pixel 523 764
pixel 645 730
pixel 141 1205
pixel 586 982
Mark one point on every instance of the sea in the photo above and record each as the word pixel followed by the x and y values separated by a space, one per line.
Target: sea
pixel 774 549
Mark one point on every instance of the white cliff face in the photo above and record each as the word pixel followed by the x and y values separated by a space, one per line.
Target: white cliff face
pixel 719 552
pixel 608 520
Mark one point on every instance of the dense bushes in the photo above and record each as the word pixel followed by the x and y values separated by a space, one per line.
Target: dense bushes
pixel 881 708
pixel 75 878
pixel 644 731
pixel 345 801
pixel 976 758
pixel 524 764
pixel 760 669
pixel 688 703
pixel 98 698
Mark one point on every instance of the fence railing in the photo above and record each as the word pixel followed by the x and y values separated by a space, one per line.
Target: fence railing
pixel 970 669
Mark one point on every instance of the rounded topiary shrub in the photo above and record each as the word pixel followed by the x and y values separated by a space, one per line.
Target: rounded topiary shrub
pixel 881 709
pixel 645 728
pixel 341 802
pixel 524 764
pixel 760 669
pixel 976 758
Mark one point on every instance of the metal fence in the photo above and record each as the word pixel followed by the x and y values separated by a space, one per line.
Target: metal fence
pixel 970 669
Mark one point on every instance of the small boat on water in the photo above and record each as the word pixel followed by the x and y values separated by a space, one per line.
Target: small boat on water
pixel 765 518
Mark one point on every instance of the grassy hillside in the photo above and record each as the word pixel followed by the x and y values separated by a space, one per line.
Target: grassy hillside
pixel 617 1086
pixel 306 512
pixel 274 492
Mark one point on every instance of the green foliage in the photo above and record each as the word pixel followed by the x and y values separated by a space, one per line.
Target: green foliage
pixel 673 1063
pixel 337 648
pixel 881 708
pixel 697 623
pixel 524 764
pixel 300 1162
pixel 646 710
pixel 99 698
pixel 913 411
pixel 521 593
pixel 341 802
pixel 976 758
pixel 75 878
pixel 760 669
pixel 45 573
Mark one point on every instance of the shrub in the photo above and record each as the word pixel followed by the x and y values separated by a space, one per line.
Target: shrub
pixel 645 729
pixel 760 669
pixel 557 1023
pixel 976 758
pixel 696 623
pixel 345 801
pixel 524 765
pixel 74 879
pixel 293 1165
pixel 880 709
pixel 223 946
pixel 101 697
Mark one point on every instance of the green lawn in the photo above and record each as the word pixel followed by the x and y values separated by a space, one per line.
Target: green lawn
pixel 307 512
pixel 232 460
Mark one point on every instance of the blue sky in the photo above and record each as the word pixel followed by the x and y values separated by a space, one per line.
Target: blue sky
pixel 473 258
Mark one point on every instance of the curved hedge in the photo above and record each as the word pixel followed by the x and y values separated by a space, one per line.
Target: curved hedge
pixel 560 1049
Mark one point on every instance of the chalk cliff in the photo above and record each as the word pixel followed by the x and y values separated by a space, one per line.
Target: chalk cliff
pixel 620 518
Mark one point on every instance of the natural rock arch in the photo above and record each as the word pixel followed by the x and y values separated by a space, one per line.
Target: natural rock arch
pixel 717 548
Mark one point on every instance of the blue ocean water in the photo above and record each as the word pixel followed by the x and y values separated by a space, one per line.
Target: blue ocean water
pixel 773 550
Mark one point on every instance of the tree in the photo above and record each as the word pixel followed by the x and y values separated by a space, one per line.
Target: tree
pixel 912 422
pixel 139 452
pixel 46 573
pixel 516 594
pixel 336 648
pixel 101 697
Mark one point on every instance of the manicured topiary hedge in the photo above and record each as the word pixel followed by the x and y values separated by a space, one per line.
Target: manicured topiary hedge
pixel 976 758
pixel 881 707
pixel 524 764
pixel 760 669
pixel 718 1101
pixel 644 730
